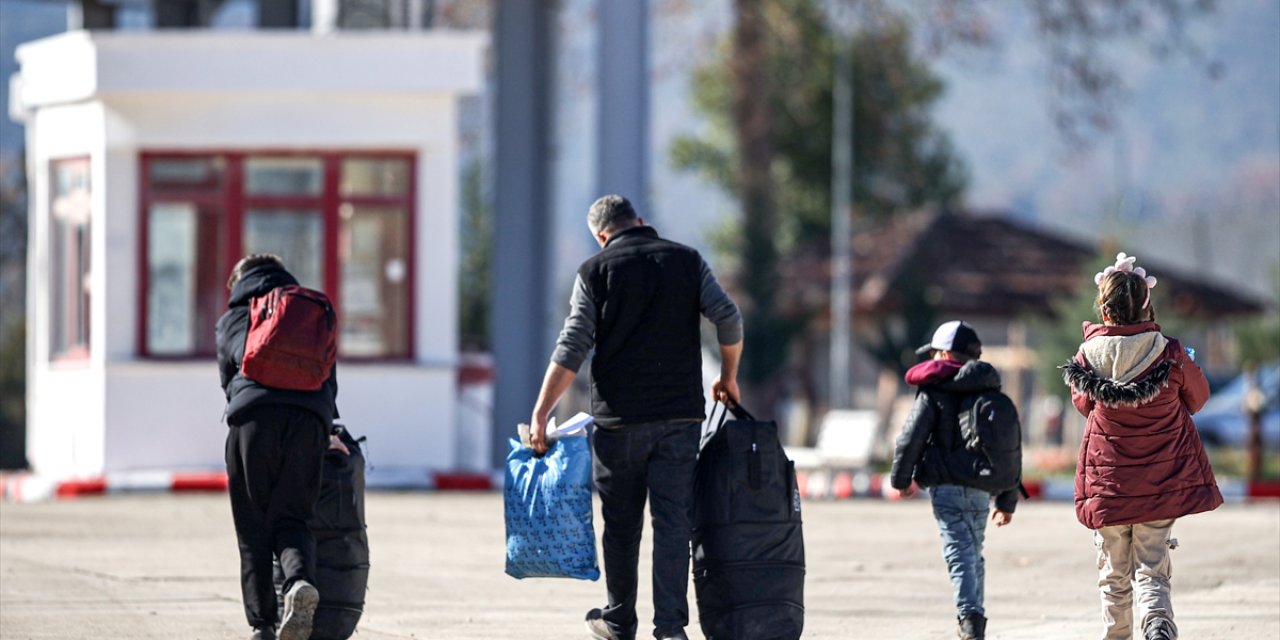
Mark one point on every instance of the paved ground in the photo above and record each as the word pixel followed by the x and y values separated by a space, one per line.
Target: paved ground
pixel 165 566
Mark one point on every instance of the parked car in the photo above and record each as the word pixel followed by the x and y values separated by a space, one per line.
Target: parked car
pixel 1222 421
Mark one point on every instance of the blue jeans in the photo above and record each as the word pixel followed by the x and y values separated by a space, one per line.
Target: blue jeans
pixel 631 463
pixel 961 513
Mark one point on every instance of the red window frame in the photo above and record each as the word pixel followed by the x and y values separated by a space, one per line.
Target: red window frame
pixel 70 295
pixel 234 202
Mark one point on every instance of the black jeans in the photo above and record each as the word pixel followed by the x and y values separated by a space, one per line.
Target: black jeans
pixel 630 462
pixel 273 473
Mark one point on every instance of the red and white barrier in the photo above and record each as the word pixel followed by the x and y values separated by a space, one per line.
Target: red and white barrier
pixel 843 484
pixel 26 487
pixel 814 484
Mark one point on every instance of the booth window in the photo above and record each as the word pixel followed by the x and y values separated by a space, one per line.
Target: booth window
pixel 69 259
pixel 341 222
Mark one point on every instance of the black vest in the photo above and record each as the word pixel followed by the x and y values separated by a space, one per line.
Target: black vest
pixel 648 360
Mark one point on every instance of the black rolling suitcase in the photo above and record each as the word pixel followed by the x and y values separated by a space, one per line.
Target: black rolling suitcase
pixel 342 546
pixel 748 544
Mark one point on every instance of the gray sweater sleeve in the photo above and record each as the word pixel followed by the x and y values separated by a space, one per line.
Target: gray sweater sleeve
pixel 716 305
pixel 577 338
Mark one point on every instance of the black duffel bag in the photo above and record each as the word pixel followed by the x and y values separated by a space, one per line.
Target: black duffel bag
pixel 342 546
pixel 748 543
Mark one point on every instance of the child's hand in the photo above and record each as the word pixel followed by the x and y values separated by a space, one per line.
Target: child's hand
pixel 1001 518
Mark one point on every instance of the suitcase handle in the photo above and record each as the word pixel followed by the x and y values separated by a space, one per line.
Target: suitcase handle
pixel 739 412
pixel 753 456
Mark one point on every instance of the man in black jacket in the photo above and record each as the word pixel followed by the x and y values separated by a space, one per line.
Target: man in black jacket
pixel 276 442
pixel 932 436
pixel 638 303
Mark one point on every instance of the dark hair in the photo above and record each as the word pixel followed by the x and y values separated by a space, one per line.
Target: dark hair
pixel 608 211
pixel 250 261
pixel 1120 298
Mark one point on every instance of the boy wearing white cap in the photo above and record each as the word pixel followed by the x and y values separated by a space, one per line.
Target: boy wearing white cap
pixel 933 452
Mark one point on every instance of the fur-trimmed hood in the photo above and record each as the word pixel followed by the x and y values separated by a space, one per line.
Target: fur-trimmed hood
pixel 1120 365
pixel 1113 393
pixel 1122 352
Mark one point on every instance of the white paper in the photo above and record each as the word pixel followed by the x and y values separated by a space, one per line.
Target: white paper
pixel 575 426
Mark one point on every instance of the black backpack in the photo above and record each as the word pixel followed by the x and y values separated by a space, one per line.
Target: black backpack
pixel 989 454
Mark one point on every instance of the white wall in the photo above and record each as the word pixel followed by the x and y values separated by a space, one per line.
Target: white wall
pixel 64 397
pixel 164 416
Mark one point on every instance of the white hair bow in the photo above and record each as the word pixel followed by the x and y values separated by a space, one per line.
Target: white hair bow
pixel 1126 263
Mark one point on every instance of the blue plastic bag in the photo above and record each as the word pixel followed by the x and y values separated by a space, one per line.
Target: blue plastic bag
pixel 548 512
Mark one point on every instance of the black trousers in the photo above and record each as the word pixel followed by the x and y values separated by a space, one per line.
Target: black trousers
pixel 632 463
pixel 273 473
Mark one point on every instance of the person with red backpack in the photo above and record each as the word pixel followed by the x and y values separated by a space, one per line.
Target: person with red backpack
pixel 962 440
pixel 276 346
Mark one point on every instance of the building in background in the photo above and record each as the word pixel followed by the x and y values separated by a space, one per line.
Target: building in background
pixel 157 158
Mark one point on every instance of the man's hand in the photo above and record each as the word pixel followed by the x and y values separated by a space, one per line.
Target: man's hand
pixel 1001 518
pixel 336 443
pixel 910 491
pixel 725 391
pixel 554 383
pixel 538 434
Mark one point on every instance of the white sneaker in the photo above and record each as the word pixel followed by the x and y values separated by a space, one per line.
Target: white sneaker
pixel 299 611
pixel 596 626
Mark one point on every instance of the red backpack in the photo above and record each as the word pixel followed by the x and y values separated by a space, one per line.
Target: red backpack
pixel 292 339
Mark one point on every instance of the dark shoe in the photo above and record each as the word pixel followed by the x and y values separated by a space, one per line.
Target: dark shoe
pixel 263 633
pixel 299 611
pixel 1160 629
pixel 972 627
pixel 676 635
pixel 597 627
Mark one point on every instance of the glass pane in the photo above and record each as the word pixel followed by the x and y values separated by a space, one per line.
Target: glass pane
pixel 186 278
pixel 69 256
pixel 186 174
pixel 71 178
pixel 171 273
pixel 375 287
pixel 80 286
pixel 385 177
pixel 296 236
pixel 284 176
pixel 59 274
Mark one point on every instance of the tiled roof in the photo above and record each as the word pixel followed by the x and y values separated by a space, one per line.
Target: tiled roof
pixel 993 266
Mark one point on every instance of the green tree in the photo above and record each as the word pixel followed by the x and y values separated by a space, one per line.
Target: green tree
pixel 13 343
pixel 474 272
pixel 1258 339
pixel 768 97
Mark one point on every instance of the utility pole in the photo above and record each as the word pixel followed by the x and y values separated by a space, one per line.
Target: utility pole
pixel 523 37
pixel 841 210
pixel 622 132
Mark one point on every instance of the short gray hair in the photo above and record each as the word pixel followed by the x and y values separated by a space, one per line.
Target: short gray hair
pixel 608 211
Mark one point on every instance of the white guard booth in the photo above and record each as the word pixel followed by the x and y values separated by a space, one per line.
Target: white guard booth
pixel 156 159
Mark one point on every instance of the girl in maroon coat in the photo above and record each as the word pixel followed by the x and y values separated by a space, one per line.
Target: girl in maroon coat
pixel 1141 462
